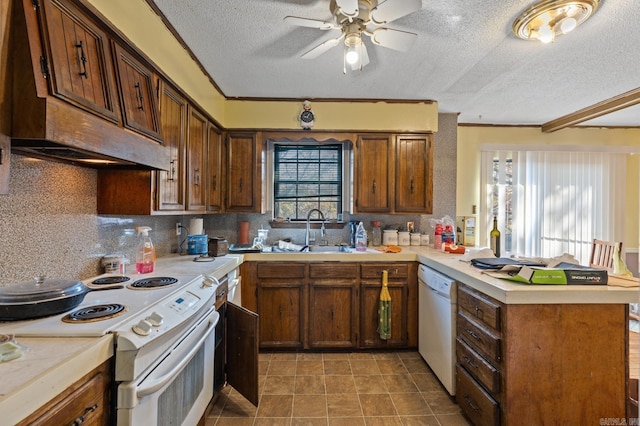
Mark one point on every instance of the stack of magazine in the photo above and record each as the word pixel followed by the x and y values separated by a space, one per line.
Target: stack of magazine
pixel 530 272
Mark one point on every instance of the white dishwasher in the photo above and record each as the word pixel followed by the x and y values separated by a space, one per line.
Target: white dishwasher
pixel 437 324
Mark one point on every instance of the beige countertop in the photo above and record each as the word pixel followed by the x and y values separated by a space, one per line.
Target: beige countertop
pixel 47 367
pixel 451 265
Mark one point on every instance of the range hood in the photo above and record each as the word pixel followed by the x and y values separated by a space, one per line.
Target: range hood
pixel 49 123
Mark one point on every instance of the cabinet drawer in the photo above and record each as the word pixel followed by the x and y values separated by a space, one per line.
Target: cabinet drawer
pixel 480 338
pixel 480 307
pixel 477 404
pixel 281 270
pixel 480 369
pixel 374 270
pixel 342 271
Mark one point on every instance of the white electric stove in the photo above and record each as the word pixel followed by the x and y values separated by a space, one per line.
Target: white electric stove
pixel 164 331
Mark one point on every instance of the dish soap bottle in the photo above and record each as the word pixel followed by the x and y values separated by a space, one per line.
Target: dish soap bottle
pixel 361 238
pixel 146 253
pixel 495 238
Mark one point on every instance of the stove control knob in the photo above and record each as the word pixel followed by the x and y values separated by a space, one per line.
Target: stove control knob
pixel 143 328
pixel 210 281
pixel 155 319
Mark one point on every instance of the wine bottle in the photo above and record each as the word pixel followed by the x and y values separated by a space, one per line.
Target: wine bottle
pixel 494 236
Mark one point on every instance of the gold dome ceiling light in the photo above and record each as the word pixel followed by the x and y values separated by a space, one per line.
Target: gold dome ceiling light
pixel 549 18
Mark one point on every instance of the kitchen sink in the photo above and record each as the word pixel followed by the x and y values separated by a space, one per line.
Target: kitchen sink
pixel 314 249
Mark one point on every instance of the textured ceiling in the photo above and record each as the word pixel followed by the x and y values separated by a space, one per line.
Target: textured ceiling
pixel 465 57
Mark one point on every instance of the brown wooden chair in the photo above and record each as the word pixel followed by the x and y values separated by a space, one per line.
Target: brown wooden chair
pixel 602 254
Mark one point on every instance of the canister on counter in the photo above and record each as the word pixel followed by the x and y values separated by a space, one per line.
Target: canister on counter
pixel 114 264
pixel 415 238
pixel 390 237
pixel 424 239
pixel 404 238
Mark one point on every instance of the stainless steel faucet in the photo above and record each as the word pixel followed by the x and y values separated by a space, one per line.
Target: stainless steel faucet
pixel 322 230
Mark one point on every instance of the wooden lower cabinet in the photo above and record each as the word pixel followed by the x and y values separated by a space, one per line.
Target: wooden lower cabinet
pixel 330 305
pixel 371 284
pixel 281 294
pixel 540 364
pixel 333 305
pixel 85 402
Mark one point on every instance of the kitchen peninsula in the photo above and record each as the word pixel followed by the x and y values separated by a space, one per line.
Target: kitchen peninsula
pixel 563 348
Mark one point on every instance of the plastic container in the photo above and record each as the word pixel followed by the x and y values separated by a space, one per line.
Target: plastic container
pixel 361 238
pixel 437 237
pixel 390 237
pixel 448 236
pixel 197 244
pixel 376 234
pixel 146 253
pixel 404 238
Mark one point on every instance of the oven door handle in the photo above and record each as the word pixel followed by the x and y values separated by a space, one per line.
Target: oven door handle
pixel 161 381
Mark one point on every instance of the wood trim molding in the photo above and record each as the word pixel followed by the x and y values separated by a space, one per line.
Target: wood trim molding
pixel 596 110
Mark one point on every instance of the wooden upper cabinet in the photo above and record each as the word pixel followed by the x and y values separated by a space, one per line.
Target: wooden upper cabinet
pixel 414 174
pixel 372 173
pixel 173 118
pixel 214 170
pixel 137 94
pixel 243 188
pixel 196 160
pixel 79 65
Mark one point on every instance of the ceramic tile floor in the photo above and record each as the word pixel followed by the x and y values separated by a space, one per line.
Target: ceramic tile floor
pixel 341 389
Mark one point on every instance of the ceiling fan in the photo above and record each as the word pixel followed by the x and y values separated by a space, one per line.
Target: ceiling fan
pixel 356 17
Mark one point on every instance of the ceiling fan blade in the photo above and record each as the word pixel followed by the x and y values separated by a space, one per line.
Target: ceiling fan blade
pixel 390 10
pixel 321 48
pixel 348 7
pixel 311 23
pixel 393 39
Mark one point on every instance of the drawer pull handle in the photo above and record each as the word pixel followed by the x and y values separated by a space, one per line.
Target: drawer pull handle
pixel 474 335
pixel 80 420
pixel 469 362
pixel 471 404
pixel 478 312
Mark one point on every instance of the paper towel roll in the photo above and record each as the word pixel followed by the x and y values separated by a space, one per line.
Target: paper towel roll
pixel 195 227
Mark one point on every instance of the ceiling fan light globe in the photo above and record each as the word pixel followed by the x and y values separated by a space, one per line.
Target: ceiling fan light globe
pixel 351 55
pixel 568 25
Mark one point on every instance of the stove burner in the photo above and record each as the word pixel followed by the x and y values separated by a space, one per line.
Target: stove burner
pixel 111 280
pixel 152 282
pixel 94 313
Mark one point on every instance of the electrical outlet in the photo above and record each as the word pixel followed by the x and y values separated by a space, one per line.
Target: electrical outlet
pixel 178 225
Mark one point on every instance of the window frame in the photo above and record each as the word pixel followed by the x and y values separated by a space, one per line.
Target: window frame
pixel 347 167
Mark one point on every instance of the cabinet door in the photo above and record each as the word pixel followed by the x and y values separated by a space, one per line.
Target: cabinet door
pixel 214 170
pixel 79 64
pixel 333 315
pixel 372 173
pixel 243 173
pixel 86 402
pixel 173 108
pixel 137 94
pixel 242 351
pixel 281 309
pixel 196 172
pixel 369 301
pixel 414 174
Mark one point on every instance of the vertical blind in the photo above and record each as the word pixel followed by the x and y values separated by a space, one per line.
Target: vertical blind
pixel 554 202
